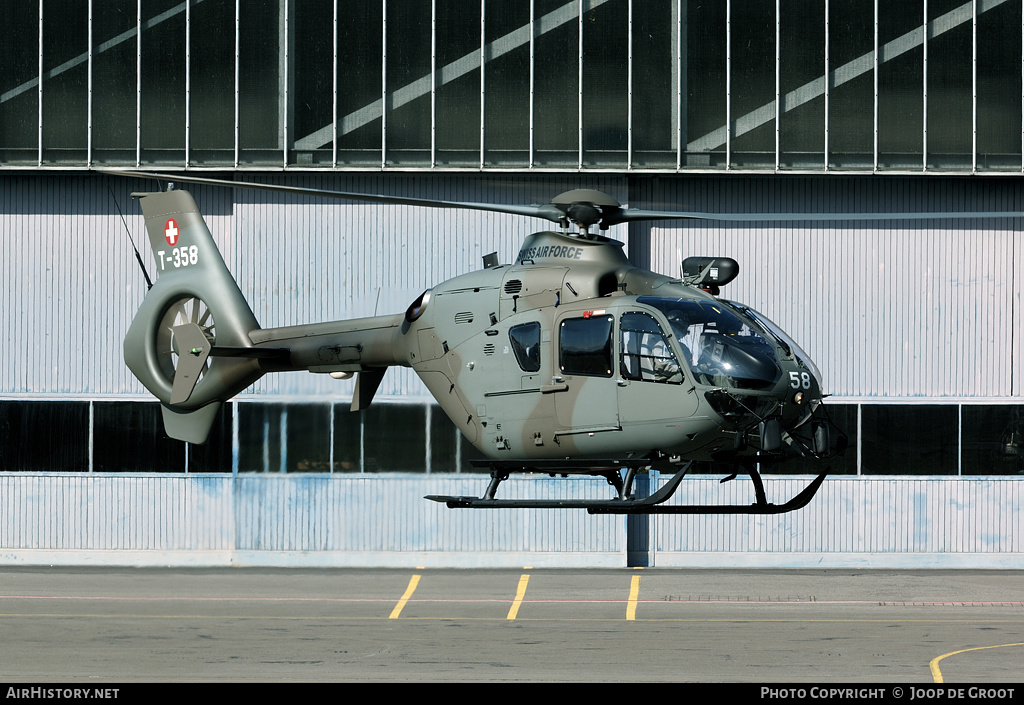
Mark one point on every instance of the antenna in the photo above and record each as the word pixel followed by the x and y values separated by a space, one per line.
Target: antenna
pixel 149 282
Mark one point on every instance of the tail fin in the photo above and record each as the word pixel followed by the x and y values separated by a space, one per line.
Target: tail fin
pixel 194 306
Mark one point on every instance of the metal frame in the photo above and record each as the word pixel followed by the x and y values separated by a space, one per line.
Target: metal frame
pixel 188 81
pixel 728 84
pixel 384 86
pixel 580 8
pixel 924 90
pixel 138 84
pixel 483 94
pixel 827 75
pixel 237 60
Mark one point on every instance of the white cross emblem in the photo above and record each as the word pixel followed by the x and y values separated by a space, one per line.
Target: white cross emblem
pixel 171 232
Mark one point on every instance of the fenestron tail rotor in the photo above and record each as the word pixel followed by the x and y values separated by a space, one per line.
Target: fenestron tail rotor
pixel 179 346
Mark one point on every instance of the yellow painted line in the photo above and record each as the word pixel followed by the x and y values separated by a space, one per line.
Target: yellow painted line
pixel 634 592
pixel 934 663
pixel 413 582
pixel 520 594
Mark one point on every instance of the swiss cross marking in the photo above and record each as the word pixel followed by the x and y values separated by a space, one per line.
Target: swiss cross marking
pixel 171 232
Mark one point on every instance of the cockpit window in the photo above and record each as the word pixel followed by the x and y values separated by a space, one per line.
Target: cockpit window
pixel 721 347
pixel 646 354
pixel 787 343
pixel 525 341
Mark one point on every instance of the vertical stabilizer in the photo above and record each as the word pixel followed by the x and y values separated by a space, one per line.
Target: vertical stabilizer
pixel 194 305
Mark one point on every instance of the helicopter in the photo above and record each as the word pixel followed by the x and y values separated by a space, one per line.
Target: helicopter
pixel 569 360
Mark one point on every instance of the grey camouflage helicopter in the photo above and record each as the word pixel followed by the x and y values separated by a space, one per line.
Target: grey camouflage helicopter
pixel 570 360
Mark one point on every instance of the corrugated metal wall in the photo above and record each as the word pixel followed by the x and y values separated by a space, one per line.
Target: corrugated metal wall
pixel 72 286
pixel 895 521
pixel 384 520
pixel 306 260
pixel 73 511
pixel 887 309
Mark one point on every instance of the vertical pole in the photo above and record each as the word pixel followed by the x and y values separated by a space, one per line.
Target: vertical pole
pixel 285 98
pixel 427 446
pixel 237 54
pixel 483 60
pixel 579 86
pixel 188 88
pixel 39 90
pixel 138 83
pixel 860 439
pixel 92 433
pixel 88 147
pixel 924 90
pixel 974 87
pixel 875 109
pixel 679 106
pixel 433 84
pixel 334 102
pixel 283 438
pixel 533 60
pixel 234 439
pixel 728 84
pixel 778 88
pixel 828 85
pixel 330 430
pixel 629 85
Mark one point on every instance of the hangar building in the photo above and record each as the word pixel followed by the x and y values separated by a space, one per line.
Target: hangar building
pixel 764 105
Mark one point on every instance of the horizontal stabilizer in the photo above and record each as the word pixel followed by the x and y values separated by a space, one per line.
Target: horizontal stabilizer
pixel 367 383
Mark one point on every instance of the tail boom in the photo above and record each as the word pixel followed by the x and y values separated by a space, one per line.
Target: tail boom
pixel 195 342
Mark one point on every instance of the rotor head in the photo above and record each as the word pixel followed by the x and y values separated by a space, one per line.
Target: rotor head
pixel 587 207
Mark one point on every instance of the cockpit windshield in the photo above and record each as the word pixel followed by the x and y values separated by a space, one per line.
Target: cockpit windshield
pixel 720 347
pixel 788 344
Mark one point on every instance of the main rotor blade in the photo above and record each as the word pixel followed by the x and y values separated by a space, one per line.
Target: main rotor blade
pixel 583 207
pixel 548 211
pixel 634 214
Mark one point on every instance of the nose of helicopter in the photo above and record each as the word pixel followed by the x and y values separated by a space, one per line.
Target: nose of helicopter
pixel 767 419
pixel 799 391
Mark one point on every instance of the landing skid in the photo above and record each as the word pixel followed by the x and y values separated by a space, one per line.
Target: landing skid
pixel 625 502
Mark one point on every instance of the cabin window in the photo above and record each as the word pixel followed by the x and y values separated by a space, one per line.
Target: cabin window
pixel 585 346
pixel 525 341
pixel 646 353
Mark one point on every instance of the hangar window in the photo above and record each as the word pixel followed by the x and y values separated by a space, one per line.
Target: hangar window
pixel 44 436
